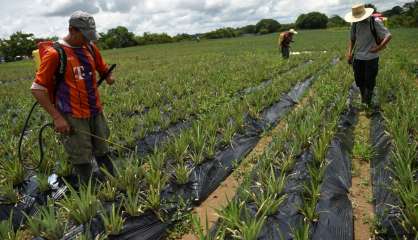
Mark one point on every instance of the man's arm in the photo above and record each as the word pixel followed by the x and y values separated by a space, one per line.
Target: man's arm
pixel 43 83
pixel 382 33
pixel 60 123
pixel 382 45
pixel 351 44
pixel 102 67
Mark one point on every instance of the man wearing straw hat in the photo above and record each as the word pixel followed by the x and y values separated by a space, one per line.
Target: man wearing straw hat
pixel 368 37
pixel 285 39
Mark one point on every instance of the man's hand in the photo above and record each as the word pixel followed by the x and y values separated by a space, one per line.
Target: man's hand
pixel 349 58
pixel 110 80
pixel 61 125
pixel 375 49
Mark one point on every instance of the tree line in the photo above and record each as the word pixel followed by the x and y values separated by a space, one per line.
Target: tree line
pixel 22 44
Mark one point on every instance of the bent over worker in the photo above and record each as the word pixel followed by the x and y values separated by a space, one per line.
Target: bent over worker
pixel 285 39
pixel 72 99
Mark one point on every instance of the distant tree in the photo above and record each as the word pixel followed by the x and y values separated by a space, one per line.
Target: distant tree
pixel 249 29
pixel 118 37
pixel 286 27
pixel 221 33
pixel 267 26
pixel 19 44
pixel 154 38
pixel 407 17
pixel 183 37
pixel 53 39
pixel 397 10
pixel 336 21
pixel 312 20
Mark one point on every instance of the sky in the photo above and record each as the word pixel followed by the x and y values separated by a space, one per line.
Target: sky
pixel 50 17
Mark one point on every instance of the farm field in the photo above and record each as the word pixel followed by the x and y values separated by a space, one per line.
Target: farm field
pixel 307 159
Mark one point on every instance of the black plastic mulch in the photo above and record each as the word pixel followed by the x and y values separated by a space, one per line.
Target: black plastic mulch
pixel 386 203
pixel 334 207
pixel 206 177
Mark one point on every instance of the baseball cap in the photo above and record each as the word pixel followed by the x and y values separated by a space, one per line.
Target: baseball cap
pixel 85 23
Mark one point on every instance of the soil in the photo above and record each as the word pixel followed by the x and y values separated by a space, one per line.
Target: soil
pixel 361 190
pixel 229 187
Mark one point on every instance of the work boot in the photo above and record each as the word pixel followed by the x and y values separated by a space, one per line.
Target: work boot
pixel 105 162
pixel 84 172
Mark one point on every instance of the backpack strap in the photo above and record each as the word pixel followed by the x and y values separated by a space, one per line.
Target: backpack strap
pixel 91 50
pixel 373 30
pixel 355 31
pixel 62 65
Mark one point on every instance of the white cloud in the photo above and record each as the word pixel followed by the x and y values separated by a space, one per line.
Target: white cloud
pixel 50 17
pixel 66 7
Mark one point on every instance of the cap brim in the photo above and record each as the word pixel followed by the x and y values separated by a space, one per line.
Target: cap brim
pixel 90 35
pixel 351 19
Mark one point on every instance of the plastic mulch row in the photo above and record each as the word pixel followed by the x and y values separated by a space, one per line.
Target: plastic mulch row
pixel 385 201
pixel 334 207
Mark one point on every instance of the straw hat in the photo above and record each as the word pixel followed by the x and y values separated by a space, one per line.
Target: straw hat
pixel 358 13
pixel 293 31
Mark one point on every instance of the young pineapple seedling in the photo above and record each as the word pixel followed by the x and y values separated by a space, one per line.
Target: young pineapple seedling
pixel 231 214
pixel 211 143
pixel 128 176
pixel 133 203
pixel 268 204
pixel 82 205
pixel 310 199
pixel 106 192
pixel 12 171
pixel 46 224
pixel 197 228
pixel 198 156
pixel 64 168
pixel 228 134
pixel 42 180
pixel 178 150
pixel 7 194
pixel 113 221
pixel 182 173
pixel 153 200
pixel 301 233
pixel 7 232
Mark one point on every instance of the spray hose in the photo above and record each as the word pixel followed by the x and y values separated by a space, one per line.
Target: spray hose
pixel 51 125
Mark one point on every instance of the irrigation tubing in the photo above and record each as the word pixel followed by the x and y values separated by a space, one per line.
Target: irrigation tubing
pixel 40 138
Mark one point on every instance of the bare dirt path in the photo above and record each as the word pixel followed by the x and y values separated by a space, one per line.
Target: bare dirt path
pixel 227 190
pixel 361 190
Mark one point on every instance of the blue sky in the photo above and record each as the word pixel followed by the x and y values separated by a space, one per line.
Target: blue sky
pixel 50 17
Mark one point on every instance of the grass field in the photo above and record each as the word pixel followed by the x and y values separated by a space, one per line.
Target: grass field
pixel 178 109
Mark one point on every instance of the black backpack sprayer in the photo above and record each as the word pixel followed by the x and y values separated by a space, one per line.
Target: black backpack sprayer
pixel 51 125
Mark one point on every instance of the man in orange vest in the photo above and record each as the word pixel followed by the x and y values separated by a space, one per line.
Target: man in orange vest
pixel 72 98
